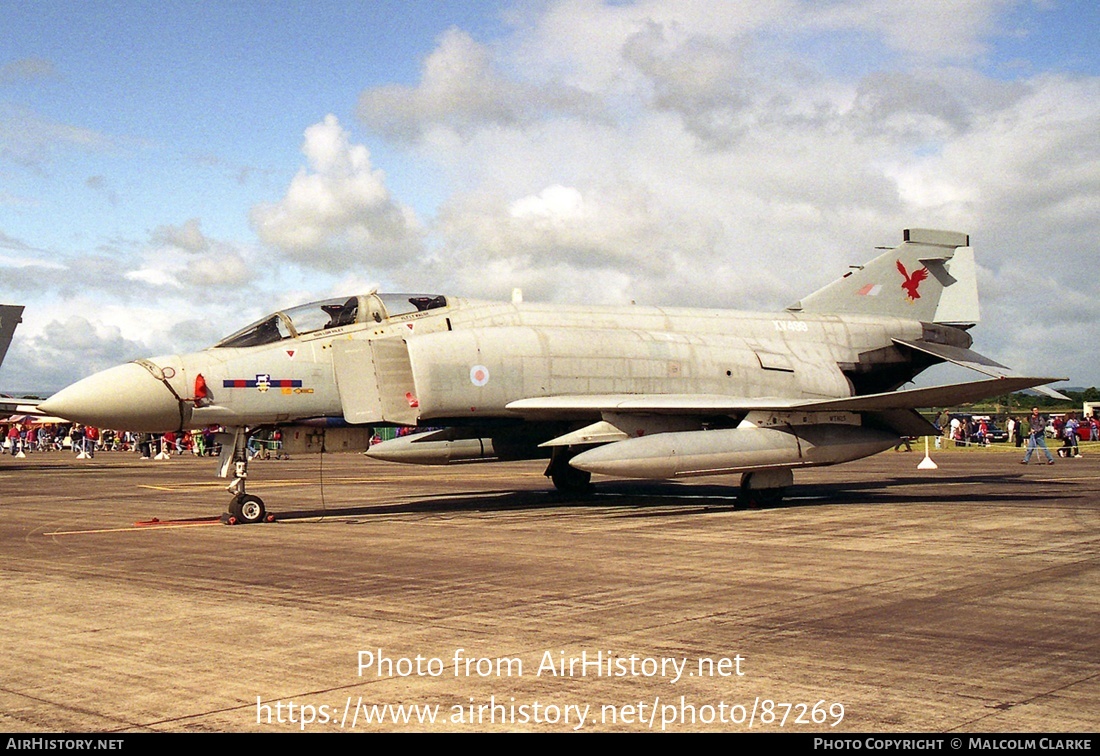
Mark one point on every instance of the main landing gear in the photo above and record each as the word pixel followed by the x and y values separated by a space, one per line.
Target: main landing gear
pixel 244 508
pixel 763 488
pixel 566 478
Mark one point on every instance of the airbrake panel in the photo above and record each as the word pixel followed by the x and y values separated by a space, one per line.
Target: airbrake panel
pixel 375 381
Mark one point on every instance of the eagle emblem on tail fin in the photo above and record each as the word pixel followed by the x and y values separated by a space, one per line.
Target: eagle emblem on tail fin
pixel 912 282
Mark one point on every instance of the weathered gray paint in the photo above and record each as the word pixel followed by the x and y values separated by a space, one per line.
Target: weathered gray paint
pixel 657 391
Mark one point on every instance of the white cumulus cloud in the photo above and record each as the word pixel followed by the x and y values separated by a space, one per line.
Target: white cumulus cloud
pixel 338 212
pixel 683 152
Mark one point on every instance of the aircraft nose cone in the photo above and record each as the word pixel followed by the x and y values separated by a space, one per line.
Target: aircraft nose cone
pixel 126 397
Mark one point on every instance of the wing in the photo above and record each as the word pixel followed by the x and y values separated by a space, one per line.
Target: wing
pixel 587 405
pixel 934 396
pixel 579 406
pixel 893 410
pixel 11 406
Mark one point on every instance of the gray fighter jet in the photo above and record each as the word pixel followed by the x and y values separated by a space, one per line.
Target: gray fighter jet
pixel 649 392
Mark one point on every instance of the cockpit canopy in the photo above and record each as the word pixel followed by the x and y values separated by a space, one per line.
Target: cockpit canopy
pixel 330 313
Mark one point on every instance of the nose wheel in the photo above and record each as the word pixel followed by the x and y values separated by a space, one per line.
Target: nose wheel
pixel 244 508
pixel 247 509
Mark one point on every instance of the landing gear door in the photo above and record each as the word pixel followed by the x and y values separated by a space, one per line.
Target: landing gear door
pixel 375 381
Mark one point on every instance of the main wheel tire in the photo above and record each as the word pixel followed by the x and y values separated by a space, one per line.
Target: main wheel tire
pixel 247 509
pixel 766 497
pixel 750 497
pixel 568 479
pixel 564 476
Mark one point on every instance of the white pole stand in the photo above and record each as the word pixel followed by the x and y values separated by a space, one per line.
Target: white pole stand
pixel 927 463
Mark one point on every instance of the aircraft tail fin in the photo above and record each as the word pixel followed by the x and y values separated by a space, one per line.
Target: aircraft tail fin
pixel 931 276
pixel 10 317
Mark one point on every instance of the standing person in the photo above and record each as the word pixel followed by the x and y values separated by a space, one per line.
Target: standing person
pixel 76 439
pixel 1037 429
pixel 145 445
pixel 942 421
pixel 1069 433
pixel 13 438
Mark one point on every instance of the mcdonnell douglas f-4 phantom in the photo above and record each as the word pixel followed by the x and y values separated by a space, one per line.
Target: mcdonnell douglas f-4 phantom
pixel 630 391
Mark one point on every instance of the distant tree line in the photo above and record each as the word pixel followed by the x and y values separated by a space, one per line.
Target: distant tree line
pixel 1026 400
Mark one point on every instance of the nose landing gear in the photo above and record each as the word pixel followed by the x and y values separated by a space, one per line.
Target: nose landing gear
pixel 244 508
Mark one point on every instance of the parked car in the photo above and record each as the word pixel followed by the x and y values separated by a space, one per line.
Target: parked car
pixel 994 433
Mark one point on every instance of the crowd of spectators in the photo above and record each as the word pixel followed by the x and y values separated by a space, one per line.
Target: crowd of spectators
pixel 28 436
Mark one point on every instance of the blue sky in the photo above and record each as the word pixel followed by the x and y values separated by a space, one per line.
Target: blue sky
pixel 170 171
pixel 183 97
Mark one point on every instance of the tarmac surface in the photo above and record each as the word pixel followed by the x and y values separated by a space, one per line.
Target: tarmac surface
pixel 878 598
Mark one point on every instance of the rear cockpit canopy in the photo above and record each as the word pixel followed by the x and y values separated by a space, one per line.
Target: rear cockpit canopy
pixel 330 313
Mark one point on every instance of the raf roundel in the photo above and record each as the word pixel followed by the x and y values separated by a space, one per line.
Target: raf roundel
pixel 479 375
